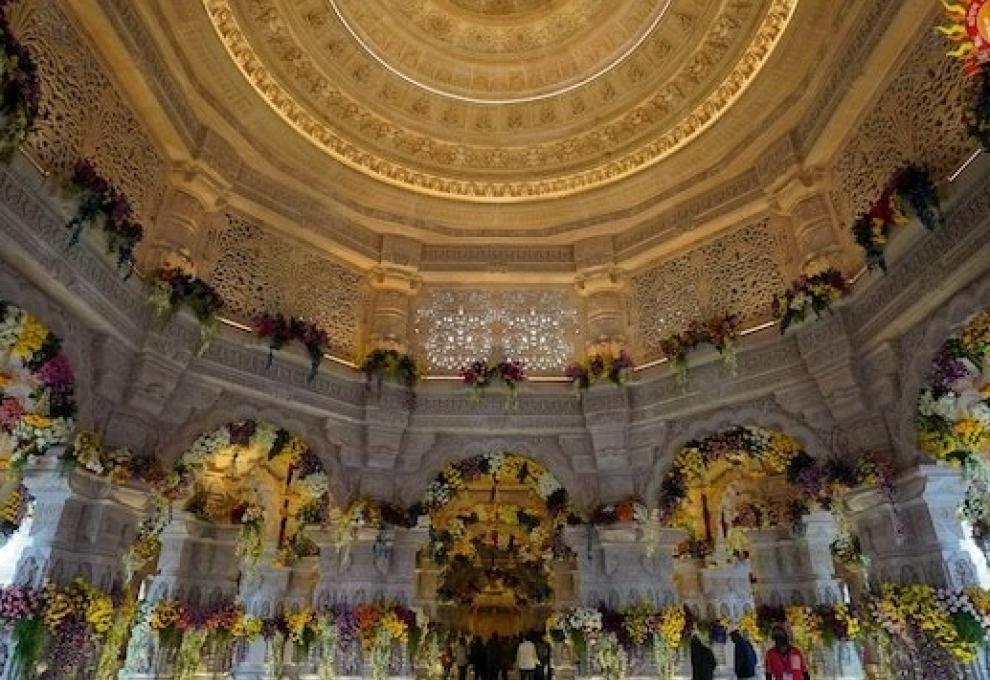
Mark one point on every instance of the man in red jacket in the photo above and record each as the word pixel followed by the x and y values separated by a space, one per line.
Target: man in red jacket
pixel 784 661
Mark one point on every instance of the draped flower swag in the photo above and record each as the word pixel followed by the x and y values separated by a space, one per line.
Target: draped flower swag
pixel 171 289
pixel 20 89
pixel 720 331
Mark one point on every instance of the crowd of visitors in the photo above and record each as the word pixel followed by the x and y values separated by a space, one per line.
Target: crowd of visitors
pixel 492 659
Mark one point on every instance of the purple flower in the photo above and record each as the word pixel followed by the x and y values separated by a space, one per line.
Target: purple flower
pixel 56 371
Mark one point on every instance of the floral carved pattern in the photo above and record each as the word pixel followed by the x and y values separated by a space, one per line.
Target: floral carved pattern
pixel 256 270
pixel 740 272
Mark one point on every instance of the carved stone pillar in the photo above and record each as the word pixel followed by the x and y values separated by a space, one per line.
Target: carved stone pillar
pixel 196 565
pixel 803 198
pixel 920 539
pixel 606 414
pixel 796 569
pixel 625 563
pixel 394 282
pixel 353 566
pixel 193 200
pixel 82 525
pixel 601 285
pixel 269 590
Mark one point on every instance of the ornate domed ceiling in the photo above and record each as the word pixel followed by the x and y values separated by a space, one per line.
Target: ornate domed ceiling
pixel 497 100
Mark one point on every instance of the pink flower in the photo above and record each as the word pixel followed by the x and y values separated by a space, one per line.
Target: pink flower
pixel 57 371
pixel 11 411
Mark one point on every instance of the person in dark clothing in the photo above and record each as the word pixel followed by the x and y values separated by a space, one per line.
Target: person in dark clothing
pixel 477 657
pixel 744 656
pixel 493 657
pixel 543 654
pixel 702 659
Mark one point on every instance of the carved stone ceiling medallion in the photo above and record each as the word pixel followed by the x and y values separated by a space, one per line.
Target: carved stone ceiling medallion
pixel 499 100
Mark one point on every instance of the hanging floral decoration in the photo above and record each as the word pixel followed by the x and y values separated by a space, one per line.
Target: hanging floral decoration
pixel 37 405
pixel 955 621
pixel 120 465
pixel 811 627
pixel 279 330
pixel 65 627
pixel 171 289
pixel 370 512
pixel 308 486
pixel 503 468
pixel 20 88
pixel 481 374
pixel 628 510
pixel 381 364
pixel 599 367
pixel 101 200
pixel 489 531
pixel 13 510
pixel 775 452
pixel 816 293
pixel 953 412
pixel 910 193
pixel 968 28
pixel 186 630
pixel 719 331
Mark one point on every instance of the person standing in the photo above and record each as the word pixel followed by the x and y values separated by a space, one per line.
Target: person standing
pixel 526 659
pixel 461 658
pixel 784 660
pixel 476 655
pixel 703 662
pixel 743 656
pixel 543 653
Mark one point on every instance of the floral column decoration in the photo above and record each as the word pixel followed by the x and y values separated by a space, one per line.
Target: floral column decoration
pixel 171 289
pixel 719 331
pixel 20 90
pixel 909 193
pixel 600 367
pixel 100 201
pixel 483 373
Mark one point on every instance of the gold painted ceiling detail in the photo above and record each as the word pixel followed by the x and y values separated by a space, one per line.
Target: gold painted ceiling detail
pixel 688 71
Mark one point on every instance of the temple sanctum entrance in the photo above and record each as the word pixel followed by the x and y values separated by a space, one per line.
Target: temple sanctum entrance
pixel 496 561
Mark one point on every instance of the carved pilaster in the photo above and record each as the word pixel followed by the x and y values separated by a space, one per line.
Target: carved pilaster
pixel 803 198
pixel 920 539
pixel 394 283
pixel 193 201
pixel 603 288
pixel 793 569
pixel 625 563
pixel 82 525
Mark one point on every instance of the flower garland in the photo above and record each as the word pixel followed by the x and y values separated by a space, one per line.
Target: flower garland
pixel 502 467
pixel 37 405
pixel 279 330
pixel 120 465
pixel 719 331
pixel 667 627
pixel 171 288
pixel 481 374
pixel 774 450
pixel 100 199
pixel 816 293
pixel 599 367
pixel 628 510
pixel 910 193
pixel 20 88
pixel 953 413
pixel 13 510
pixel 810 627
pixel 186 630
pixel 370 512
pixel 309 484
pixel 65 626
pixel 956 621
pixel 380 364
pixel 525 535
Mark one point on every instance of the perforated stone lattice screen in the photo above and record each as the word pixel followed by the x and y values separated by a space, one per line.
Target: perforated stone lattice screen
pixel 739 272
pixel 85 117
pixel 455 326
pixel 256 270
pixel 916 119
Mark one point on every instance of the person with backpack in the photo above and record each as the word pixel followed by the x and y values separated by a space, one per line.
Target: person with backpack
pixel 743 656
